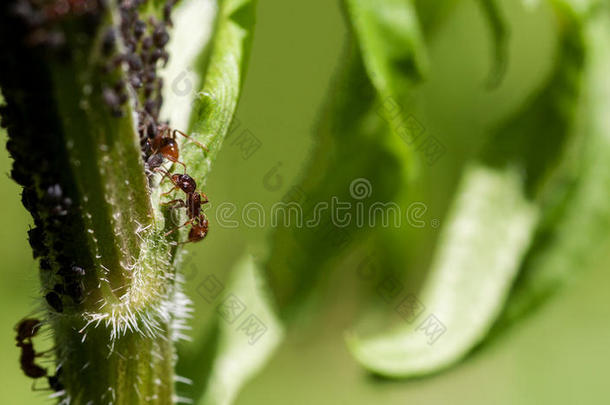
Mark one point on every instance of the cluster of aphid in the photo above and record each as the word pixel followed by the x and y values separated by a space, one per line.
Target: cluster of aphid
pixel 26 330
pixel 144 42
pixel 70 276
pixel 72 286
pixel 42 15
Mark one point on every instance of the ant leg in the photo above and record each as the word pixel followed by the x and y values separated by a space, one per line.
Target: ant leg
pixel 176 203
pixel 205 148
pixel 190 221
pixel 170 191
pixel 162 171
pixel 174 160
pixel 46 352
pixel 34 388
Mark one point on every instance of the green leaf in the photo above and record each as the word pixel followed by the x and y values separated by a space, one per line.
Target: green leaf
pixel 391 42
pixel 359 140
pixel 195 24
pixel 239 353
pixel 492 221
pixel 499 31
pixel 433 14
pixel 229 354
pixel 215 104
pixel 301 257
pixel 393 51
pixel 479 252
pixel 577 230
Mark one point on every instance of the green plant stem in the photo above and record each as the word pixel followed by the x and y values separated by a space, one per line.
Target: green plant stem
pixel 114 327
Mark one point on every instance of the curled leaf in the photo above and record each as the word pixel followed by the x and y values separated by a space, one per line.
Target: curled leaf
pixel 493 219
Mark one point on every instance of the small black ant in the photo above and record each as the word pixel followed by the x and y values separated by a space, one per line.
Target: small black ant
pixel 33 370
pixel 28 355
pixel 26 329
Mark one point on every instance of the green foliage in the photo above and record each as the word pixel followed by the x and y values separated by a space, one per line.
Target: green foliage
pixel 478 256
pixel 227 346
pixel 576 227
pixel 508 206
pixel 493 219
pixel 354 140
pixel 222 77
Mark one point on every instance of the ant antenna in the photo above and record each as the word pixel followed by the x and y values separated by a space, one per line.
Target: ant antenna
pixel 190 139
pixel 165 173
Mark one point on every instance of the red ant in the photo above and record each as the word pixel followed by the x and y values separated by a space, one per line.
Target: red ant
pixel 164 146
pixel 193 203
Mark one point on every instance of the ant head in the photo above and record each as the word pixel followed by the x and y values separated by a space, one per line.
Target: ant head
pixel 27 328
pixel 198 232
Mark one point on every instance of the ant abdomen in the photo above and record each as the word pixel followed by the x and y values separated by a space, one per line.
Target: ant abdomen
pixel 154 161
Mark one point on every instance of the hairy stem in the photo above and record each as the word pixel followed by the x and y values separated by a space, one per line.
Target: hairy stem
pixel 110 294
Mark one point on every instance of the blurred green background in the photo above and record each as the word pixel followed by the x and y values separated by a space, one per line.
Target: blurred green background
pixel 560 355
